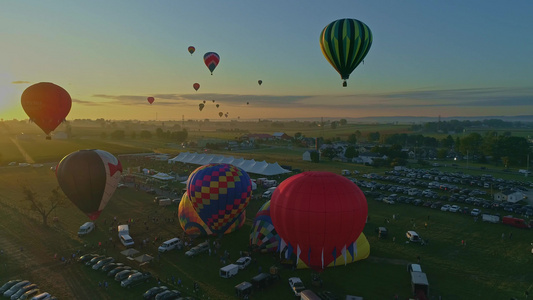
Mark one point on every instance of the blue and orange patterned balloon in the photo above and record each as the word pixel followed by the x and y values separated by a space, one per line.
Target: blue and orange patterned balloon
pixel 211 60
pixel 263 236
pixel 219 194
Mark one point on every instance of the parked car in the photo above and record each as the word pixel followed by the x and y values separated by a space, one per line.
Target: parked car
pixel 8 285
pixel 152 292
pixel 13 289
pixel 166 295
pixel 197 249
pixel 86 257
pixel 475 212
pixel 124 274
pixel 445 207
pixel 454 208
pixel 116 270
pixel 110 266
pixel 135 279
pixel 29 294
pixel 23 290
pixel 297 286
pixel 243 262
pixel 94 260
pixel 103 262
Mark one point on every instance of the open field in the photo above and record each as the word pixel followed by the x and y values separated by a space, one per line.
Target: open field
pixel 488 267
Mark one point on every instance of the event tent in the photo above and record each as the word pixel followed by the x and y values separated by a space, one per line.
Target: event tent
pixel 250 166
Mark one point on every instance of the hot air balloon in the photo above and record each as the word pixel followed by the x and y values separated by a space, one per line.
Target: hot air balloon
pixel 220 114
pixel 196 86
pixel 191 49
pixel 226 115
pixel 47 105
pixel 150 100
pixel 319 215
pixel 211 60
pixel 194 226
pixel 201 106
pixel 218 105
pixel 213 101
pixel 345 43
pixel 260 82
pixel 89 179
pixel 219 194
pixel 263 235
pixel 247 103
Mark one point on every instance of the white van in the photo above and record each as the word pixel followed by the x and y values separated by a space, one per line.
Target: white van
pixel 309 295
pixel 86 228
pixel 171 244
pixel 123 230
pixel 229 271
pixel 126 240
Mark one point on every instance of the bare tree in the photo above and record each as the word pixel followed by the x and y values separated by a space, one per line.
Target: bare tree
pixel 55 200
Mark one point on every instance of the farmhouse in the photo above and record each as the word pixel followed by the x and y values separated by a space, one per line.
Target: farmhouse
pixel 281 136
pixel 508 196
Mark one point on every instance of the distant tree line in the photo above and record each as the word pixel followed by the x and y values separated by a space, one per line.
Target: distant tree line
pixel 459 126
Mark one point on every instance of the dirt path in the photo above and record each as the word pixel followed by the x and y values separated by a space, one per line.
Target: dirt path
pixel 26 156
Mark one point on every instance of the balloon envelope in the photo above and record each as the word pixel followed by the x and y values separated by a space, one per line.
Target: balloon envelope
pixel 201 106
pixel 263 236
pixel 46 104
pixel 196 86
pixel 150 100
pixel 219 194
pixel 320 213
pixel 89 179
pixel 260 82
pixel 220 114
pixel 211 60
pixel 191 49
pixel 345 43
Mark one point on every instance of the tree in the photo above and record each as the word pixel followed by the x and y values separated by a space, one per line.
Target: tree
pixel 145 134
pixel 343 122
pixel 298 135
pixel 352 138
pixel 55 200
pixel 374 136
pixel 333 125
pixel 329 152
pixel 350 152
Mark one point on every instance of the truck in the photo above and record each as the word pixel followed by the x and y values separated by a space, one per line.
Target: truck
pixel 516 222
pixel 420 284
pixel 124 235
pixel 490 218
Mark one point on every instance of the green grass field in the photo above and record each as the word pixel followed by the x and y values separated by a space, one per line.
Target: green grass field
pixel 488 267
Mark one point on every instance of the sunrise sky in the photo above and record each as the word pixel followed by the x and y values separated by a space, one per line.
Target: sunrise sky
pixel 428 58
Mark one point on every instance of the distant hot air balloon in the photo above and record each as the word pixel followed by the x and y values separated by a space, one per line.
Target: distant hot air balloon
pixel 204 101
pixel 226 115
pixel 260 82
pixel 191 49
pixel 345 43
pixel 219 194
pixel 319 213
pixel 213 101
pixel 218 105
pixel 211 60
pixel 47 105
pixel 247 103
pixel 196 86
pixel 220 114
pixel 201 106
pixel 150 100
pixel 89 179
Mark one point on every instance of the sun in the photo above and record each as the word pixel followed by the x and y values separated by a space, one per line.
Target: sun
pixel 10 97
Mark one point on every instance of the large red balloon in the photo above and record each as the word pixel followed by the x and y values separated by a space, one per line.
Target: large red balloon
pixel 319 213
pixel 196 86
pixel 46 104
pixel 150 100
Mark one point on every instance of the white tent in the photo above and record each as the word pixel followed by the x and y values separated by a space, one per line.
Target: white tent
pixel 217 159
pixel 273 169
pixel 228 160
pixel 247 165
pixel 206 159
pixel 258 167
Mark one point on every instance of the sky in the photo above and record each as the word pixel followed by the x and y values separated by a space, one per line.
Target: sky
pixel 428 58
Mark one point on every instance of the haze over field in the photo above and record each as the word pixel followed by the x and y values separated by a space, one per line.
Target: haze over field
pixel 427 58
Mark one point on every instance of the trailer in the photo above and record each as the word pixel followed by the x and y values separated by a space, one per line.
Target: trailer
pixel 490 218
pixel 419 284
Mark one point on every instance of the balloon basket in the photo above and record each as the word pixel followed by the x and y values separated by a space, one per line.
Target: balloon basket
pixel 48 137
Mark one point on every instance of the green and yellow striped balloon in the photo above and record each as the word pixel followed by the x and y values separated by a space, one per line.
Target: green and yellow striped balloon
pixel 345 43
